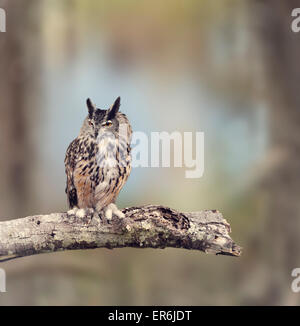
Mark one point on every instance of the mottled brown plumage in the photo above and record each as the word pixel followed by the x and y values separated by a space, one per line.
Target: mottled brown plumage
pixel 98 161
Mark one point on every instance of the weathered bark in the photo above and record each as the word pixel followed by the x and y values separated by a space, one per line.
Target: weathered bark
pixel 142 227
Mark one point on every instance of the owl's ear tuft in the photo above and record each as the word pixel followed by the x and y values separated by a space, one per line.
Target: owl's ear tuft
pixel 91 107
pixel 114 108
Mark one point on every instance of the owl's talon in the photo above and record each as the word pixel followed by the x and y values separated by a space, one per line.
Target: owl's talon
pixel 111 210
pixel 81 212
pixel 72 211
pixel 108 214
pixel 119 213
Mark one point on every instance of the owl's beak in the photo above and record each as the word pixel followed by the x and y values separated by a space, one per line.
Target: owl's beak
pixel 114 108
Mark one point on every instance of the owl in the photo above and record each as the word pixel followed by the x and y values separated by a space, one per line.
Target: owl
pixel 98 161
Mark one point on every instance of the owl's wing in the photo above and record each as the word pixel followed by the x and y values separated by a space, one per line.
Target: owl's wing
pixel 80 184
pixel 70 165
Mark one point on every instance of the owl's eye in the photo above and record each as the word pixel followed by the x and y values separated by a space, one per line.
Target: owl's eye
pixel 107 123
pixel 91 123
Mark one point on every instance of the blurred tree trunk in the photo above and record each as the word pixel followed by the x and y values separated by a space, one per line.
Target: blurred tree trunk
pixel 18 71
pixel 281 53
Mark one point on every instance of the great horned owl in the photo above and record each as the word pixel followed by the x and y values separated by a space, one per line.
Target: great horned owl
pixel 98 161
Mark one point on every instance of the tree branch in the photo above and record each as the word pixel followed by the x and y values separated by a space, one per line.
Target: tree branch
pixel 142 227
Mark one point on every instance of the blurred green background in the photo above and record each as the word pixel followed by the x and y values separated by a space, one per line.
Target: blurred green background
pixel 228 68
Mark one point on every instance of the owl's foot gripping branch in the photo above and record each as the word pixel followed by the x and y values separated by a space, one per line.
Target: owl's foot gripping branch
pixel 143 227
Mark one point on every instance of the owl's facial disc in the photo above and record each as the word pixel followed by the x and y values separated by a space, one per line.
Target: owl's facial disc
pixel 102 120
